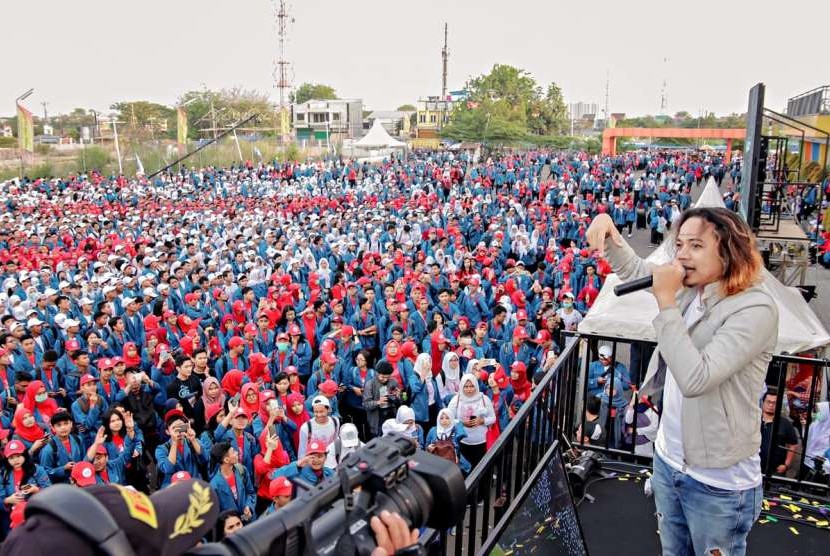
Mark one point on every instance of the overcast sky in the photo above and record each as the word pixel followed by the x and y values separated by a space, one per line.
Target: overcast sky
pixel 92 53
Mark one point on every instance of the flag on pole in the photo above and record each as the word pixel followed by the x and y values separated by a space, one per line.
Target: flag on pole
pixel 258 154
pixel 181 126
pixel 140 167
pixel 25 129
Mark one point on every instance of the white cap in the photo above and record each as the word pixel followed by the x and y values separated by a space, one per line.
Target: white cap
pixel 321 400
pixel 605 351
pixel 50 291
pixel 69 323
pixel 33 322
pixel 63 284
pixel 126 301
pixel 149 292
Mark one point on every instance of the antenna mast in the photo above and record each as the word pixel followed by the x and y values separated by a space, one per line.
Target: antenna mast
pixel 607 96
pixel 664 101
pixel 445 54
pixel 283 82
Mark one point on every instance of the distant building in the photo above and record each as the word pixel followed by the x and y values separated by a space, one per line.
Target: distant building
pixel 332 120
pixel 582 110
pixel 812 108
pixel 48 129
pixel 6 131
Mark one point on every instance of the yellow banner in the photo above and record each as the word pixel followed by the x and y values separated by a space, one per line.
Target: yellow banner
pixel 25 129
pixel 181 129
pixel 284 121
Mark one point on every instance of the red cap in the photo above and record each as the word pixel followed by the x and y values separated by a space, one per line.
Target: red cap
pixel 179 476
pixel 337 319
pixel 105 363
pixel 101 450
pixel 72 345
pixel 250 328
pixel 191 297
pixel 542 337
pixel 282 336
pixel 328 357
pixel 280 486
pixel 316 447
pixel 474 281
pixel 482 324
pixel 235 342
pixel 334 303
pixel 14 447
pixel 328 388
pixel 294 330
pixel 83 473
pixel 443 339
pixel 291 370
pixel 240 413
pixel 403 307
pixel 259 358
pixel 174 414
pixel 521 314
pixel 347 331
pixel 87 378
pixel 168 313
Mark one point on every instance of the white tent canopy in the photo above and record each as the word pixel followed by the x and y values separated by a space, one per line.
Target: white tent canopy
pixel 630 316
pixel 378 138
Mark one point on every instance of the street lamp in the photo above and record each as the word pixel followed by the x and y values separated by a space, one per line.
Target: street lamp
pixel 24 96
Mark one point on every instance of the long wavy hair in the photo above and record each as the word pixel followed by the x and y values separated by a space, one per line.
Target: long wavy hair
pixel 736 246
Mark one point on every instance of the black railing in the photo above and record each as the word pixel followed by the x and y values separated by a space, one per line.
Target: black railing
pixel 496 480
pixel 801 383
pixel 557 409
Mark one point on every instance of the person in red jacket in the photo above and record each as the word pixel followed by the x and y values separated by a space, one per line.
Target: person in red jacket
pixel 272 456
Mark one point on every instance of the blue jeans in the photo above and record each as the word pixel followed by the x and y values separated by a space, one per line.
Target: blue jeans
pixel 695 518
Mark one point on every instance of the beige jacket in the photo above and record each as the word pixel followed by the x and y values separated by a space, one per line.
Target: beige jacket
pixel 719 364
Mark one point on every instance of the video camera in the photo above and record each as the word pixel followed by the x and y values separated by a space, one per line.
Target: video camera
pixel 333 517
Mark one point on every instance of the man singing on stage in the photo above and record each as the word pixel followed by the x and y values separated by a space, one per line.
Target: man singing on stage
pixel 716 332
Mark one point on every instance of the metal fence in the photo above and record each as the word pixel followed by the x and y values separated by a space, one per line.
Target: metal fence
pixel 557 409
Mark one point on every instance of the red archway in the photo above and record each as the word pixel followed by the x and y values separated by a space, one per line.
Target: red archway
pixel 610 135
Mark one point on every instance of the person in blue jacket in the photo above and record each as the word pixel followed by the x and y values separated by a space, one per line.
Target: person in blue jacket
pixel 182 452
pixel 599 372
pixel 88 410
pixel 237 436
pixel 20 478
pixel 425 399
pixel 63 450
pixel 309 468
pixel 111 470
pixel 232 483
pixel 447 430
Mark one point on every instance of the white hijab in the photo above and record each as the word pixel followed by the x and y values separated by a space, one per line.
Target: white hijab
pixel 444 432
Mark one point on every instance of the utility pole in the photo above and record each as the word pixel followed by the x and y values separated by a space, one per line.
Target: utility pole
pixel 607 96
pixel 664 101
pixel 445 54
pixel 117 147
pixel 212 117
pixel 45 115
pixel 282 78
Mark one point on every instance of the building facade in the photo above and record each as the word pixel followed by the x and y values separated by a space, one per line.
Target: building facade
pixel 327 120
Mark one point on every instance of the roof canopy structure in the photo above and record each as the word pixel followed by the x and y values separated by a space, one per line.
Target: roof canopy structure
pixel 631 316
pixel 378 138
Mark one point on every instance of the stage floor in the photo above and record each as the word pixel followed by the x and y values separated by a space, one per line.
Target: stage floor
pixel 621 521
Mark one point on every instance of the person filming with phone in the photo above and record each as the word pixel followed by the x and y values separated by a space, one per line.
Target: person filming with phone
pixel 716 331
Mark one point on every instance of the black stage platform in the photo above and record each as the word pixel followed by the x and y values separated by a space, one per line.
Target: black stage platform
pixel 621 521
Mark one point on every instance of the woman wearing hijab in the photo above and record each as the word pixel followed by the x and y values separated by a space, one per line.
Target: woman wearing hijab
pixel 401 367
pixel 27 429
pixel 475 412
pixel 131 356
pixel 37 401
pixel 232 382
pixel 405 418
pixel 449 380
pixel 212 396
pixel 297 414
pixel 426 399
pixel 446 435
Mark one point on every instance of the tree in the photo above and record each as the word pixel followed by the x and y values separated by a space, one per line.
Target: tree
pixel 142 117
pixel 313 91
pixel 505 105
pixel 406 108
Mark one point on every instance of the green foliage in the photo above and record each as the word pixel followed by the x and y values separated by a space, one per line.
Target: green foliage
pixel 406 108
pixel 229 106
pixel 685 120
pixel 43 149
pixel 505 105
pixel 93 157
pixel 291 152
pixel 8 142
pixel 313 91
pixel 143 118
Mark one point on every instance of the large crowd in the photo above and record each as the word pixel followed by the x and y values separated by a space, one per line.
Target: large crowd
pixel 253 325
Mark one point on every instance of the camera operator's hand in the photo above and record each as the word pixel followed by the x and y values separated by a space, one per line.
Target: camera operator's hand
pixel 392 534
